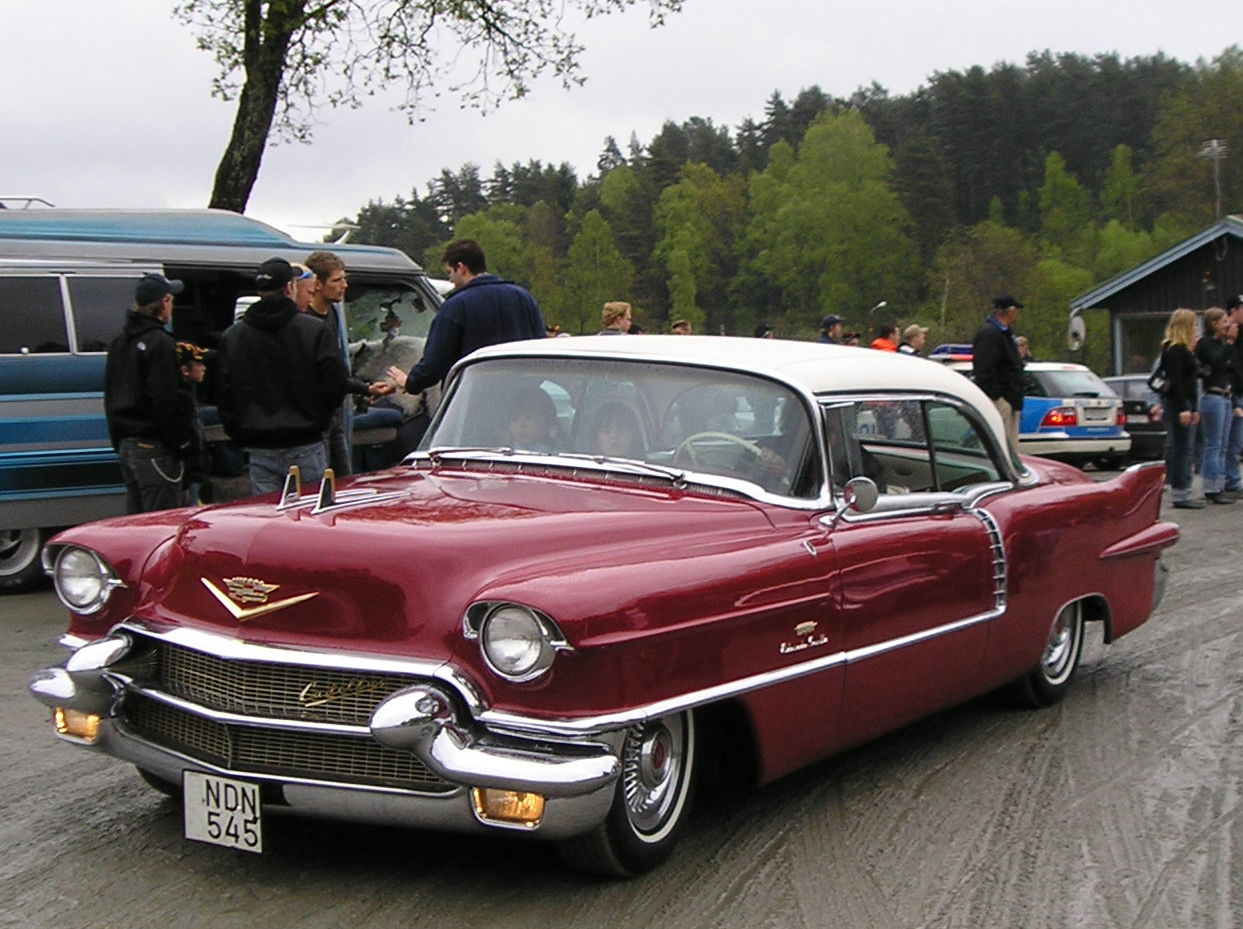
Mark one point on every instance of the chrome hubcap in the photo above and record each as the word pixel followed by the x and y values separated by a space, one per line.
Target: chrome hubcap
pixel 1059 651
pixel 18 547
pixel 652 768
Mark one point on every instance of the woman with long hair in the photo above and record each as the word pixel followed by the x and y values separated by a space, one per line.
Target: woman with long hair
pixel 1181 411
pixel 1216 360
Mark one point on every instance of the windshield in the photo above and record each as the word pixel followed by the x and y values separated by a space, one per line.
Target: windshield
pixel 698 420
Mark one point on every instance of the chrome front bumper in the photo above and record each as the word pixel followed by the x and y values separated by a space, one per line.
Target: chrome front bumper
pixel 575 775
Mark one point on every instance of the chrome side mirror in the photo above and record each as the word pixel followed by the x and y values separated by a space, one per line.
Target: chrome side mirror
pixel 858 496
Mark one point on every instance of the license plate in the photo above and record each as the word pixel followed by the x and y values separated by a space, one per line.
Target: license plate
pixel 222 811
pixel 1137 418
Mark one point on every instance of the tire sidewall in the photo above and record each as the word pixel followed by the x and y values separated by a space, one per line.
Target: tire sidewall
pixel 637 851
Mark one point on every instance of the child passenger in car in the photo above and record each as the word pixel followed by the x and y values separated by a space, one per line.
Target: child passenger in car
pixel 533 421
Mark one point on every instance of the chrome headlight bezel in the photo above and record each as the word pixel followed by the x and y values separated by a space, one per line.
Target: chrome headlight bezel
pixel 517 643
pixel 82 579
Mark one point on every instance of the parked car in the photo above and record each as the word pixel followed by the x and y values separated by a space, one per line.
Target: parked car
pixel 1069 414
pixel 66 279
pixel 613 567
pixel 1143 417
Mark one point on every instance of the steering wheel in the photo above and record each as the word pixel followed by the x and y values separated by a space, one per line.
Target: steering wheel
pixel 687 449
pixel 765 466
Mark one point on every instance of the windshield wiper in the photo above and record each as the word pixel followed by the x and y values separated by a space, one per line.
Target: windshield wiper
pixel 641 467
pixel 465 451
pixel 437 455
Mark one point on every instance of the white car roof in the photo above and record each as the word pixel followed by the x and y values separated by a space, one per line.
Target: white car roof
pixel 814 367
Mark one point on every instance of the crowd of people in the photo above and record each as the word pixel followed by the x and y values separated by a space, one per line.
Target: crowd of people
pixel 281 373
pixel 1199 381
pixel 282 376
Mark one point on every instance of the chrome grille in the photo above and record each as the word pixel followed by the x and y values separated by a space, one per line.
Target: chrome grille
pixel 275 691
pixel 255 750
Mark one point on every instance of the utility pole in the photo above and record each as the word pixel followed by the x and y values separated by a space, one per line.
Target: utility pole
pixel 1216 150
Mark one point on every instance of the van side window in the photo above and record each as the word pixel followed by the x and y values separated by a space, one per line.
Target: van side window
pixel 99 305
pixel 33 317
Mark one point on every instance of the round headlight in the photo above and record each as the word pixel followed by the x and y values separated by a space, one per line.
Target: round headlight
pixel 83 582
pixel 515 643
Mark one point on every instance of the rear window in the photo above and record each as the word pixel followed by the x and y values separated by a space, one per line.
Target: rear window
pixel 1065 384
pixel 33 317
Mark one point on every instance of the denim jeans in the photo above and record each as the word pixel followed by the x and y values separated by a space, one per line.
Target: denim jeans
pixel 1178 449
pixel 1234 448
pixel 1216 412
pixel 151 475
pixel 268 466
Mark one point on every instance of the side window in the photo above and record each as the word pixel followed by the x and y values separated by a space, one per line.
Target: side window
pixel 907 446
pixel 961 456
pixel 33 316
pixel 99 305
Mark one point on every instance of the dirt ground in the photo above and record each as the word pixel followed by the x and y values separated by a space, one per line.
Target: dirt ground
pixel 1118 808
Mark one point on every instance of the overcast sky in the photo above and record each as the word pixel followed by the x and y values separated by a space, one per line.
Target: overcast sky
pixel 108 103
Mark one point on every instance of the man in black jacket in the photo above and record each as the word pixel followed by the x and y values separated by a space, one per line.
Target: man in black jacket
pixel 146 422
pixel 279 377
pixel 995 364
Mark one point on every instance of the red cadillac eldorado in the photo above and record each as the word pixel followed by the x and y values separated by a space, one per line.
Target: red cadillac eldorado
pixel 611 559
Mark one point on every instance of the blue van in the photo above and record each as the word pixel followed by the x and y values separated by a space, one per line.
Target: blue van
pixel 66 279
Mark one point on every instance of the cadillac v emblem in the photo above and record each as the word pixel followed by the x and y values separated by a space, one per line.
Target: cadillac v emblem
pixel 242 590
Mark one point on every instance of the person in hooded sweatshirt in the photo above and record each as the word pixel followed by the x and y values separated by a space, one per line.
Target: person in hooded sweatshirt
pixel 280 376
pixel 146 422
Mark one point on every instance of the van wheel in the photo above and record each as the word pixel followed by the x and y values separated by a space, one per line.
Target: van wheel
pixel 20 567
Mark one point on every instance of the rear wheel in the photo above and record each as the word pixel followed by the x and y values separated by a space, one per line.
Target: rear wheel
pixel 1047 682
pixel 651 801
pixel 20 567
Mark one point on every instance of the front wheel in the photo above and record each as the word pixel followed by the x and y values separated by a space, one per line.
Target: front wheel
pixel 20 567
pixel 1047 682
pixel 651 801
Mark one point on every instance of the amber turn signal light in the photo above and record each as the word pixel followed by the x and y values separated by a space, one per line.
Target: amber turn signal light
pixel 77 725
pixel 508 807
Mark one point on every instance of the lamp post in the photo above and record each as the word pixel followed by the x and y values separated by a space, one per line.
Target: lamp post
pixel 879 305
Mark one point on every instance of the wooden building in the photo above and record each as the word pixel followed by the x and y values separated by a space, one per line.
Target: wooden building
pixel 1200 272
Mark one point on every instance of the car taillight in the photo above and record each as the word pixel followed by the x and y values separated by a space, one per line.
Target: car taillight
pixel 1060 417
pixel 1120 419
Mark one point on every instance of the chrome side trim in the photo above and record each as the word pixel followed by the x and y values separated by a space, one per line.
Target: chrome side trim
pixel 502 721
pixel 880 648
pixel 1000 563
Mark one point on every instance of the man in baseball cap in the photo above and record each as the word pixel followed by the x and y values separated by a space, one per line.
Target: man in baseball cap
pixel 152 288
pixel 141 383
pixel 831 329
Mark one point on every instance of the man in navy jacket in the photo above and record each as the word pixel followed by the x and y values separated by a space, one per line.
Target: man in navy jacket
pixel 483 310
pixel 995 364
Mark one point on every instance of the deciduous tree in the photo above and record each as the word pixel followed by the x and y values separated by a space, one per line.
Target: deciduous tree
pixel 282 59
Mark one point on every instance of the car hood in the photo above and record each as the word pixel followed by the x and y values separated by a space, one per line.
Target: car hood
pixel 382 574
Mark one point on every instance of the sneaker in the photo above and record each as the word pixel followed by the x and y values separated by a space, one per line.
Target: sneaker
pixel 1219 497
pixel 1188 504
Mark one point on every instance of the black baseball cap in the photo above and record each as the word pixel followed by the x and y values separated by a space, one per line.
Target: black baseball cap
pixel 152 287
pixel 274 274
pixel 1005 301
pixel 831 320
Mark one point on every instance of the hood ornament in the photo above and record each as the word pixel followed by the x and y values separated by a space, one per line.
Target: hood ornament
pixel 243 590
